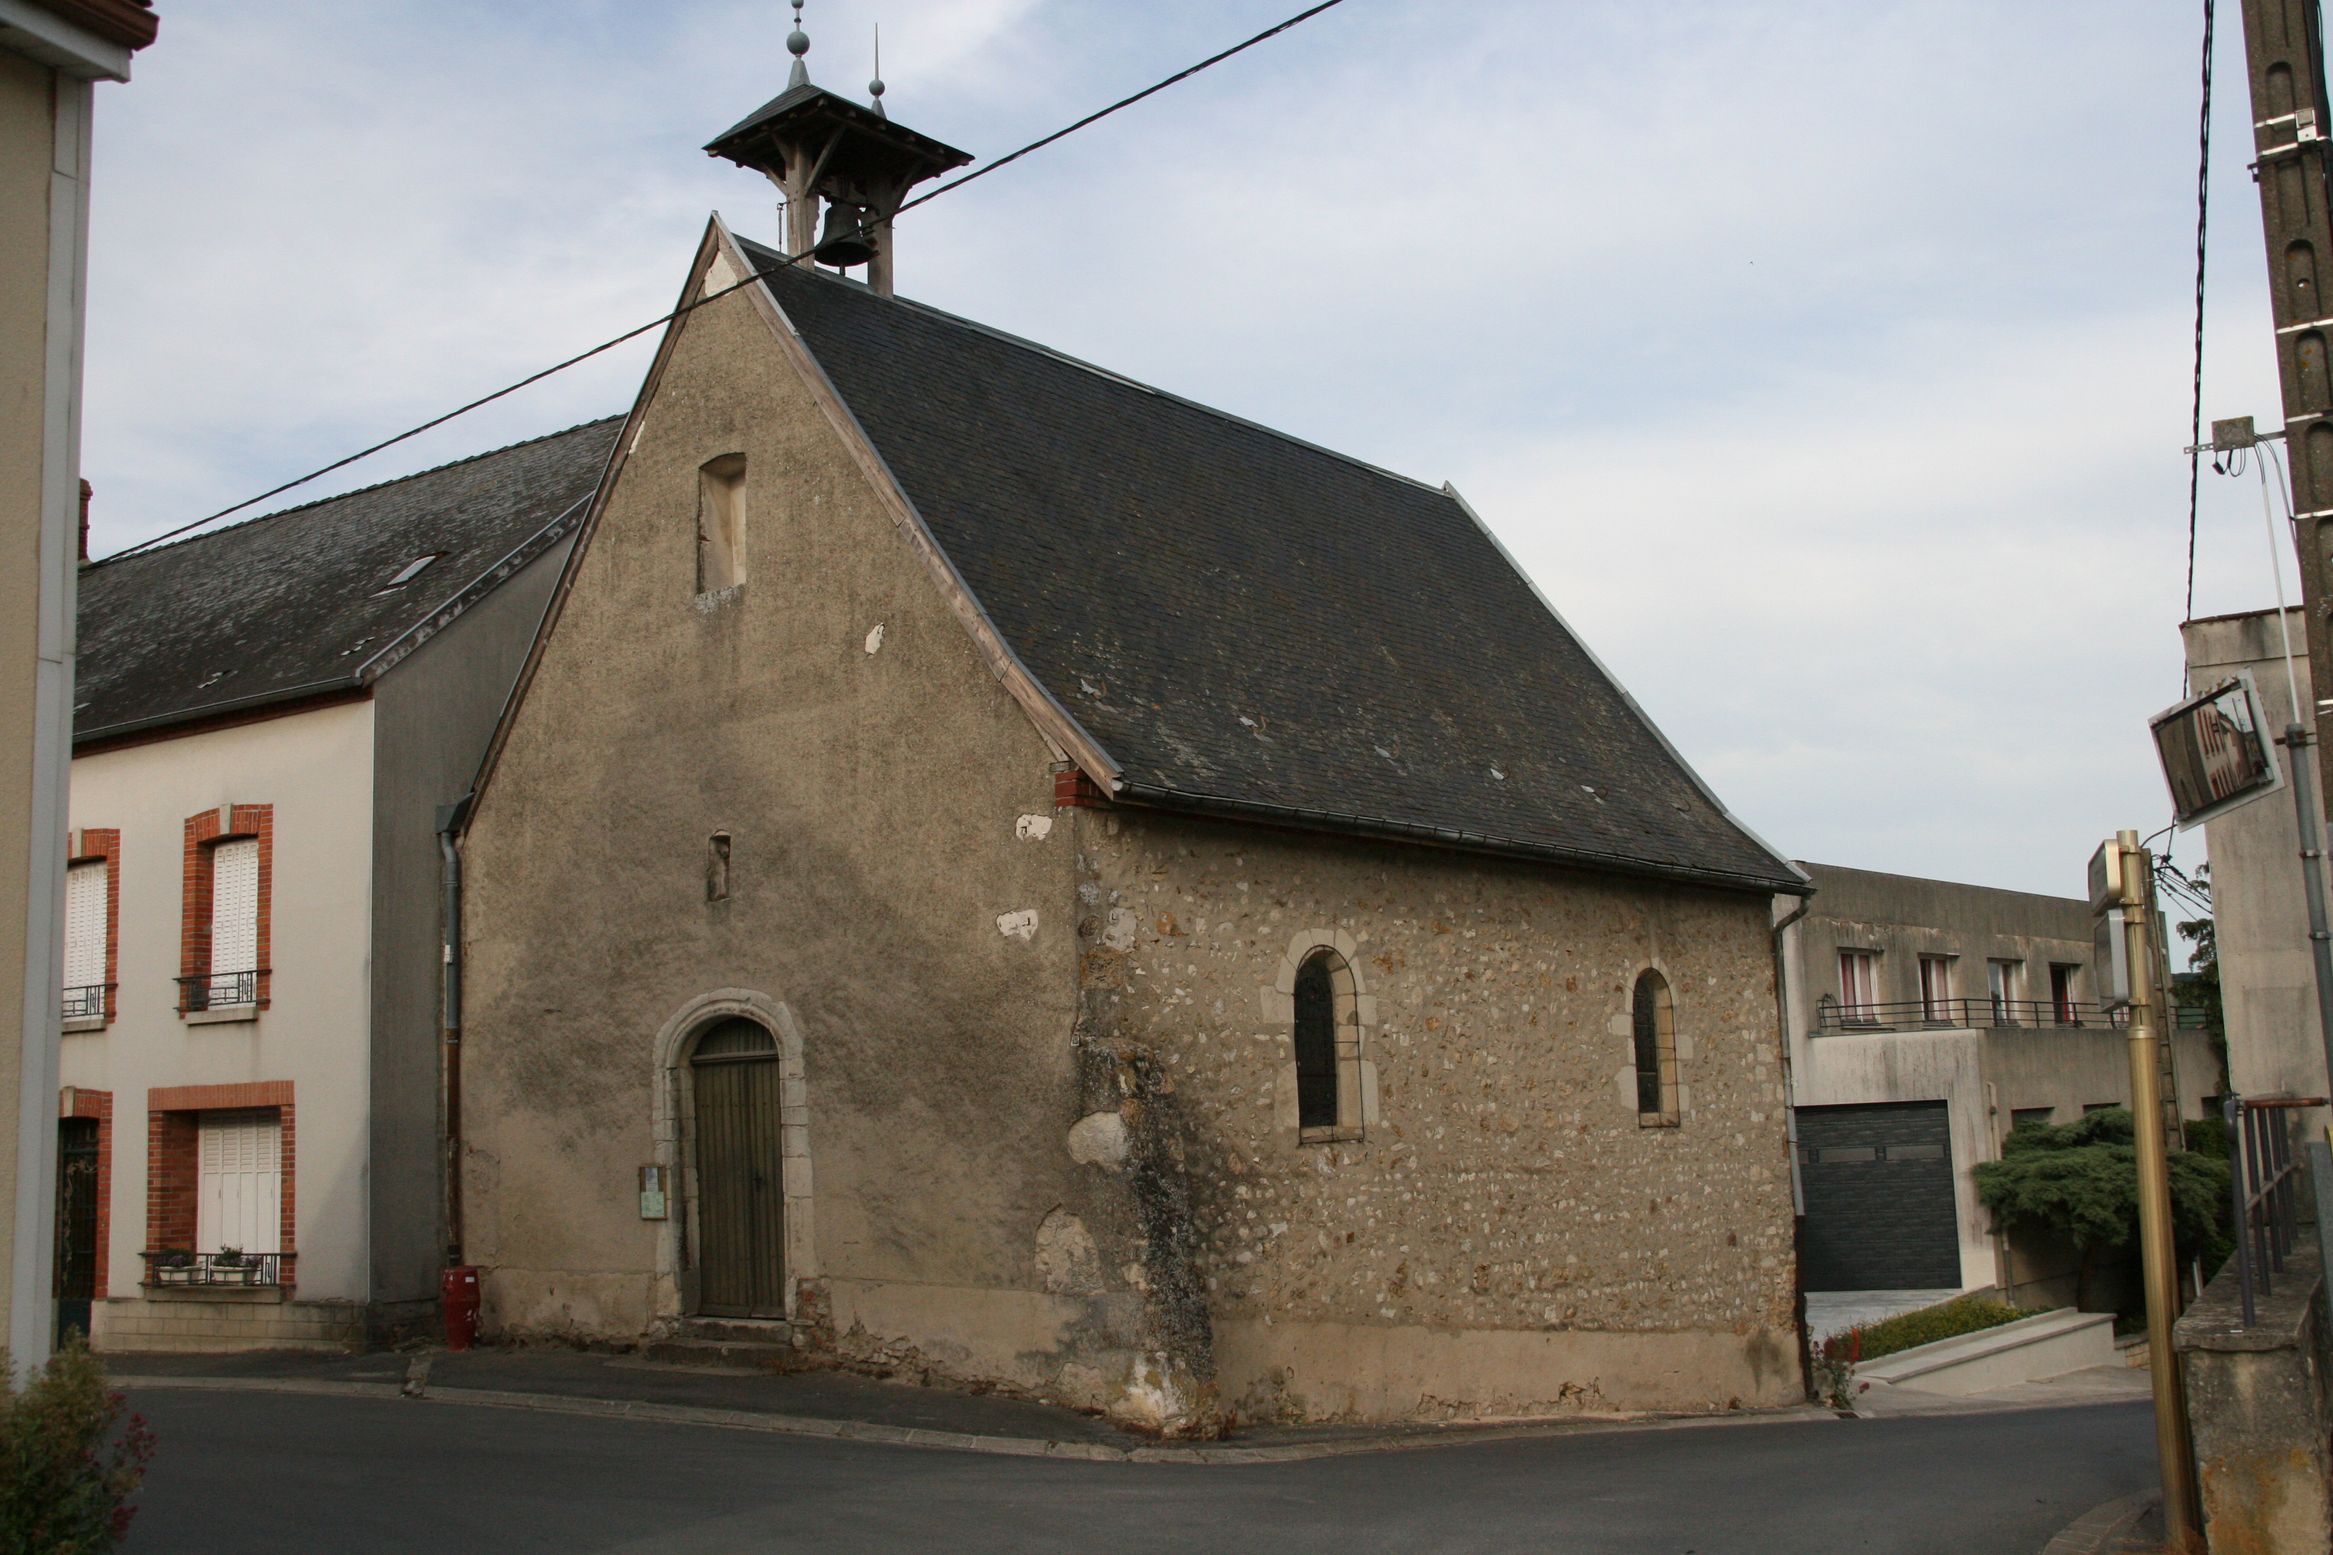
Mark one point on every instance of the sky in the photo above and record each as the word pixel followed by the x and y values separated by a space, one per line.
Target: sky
pixel 1825 364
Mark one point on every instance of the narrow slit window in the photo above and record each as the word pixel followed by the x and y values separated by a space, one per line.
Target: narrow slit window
pixel 1654 1023
pixel 721 523
pixel 1316 1045
pixel 717 868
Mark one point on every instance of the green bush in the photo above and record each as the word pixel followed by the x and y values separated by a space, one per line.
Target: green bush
pixel 68 1461
pixel 1945 1320
pixel 2080 1181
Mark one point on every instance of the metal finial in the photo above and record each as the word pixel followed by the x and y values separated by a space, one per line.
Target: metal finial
pixel 798 44
pixel 875 87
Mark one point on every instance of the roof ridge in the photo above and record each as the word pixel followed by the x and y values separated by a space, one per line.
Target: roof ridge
pixel 1041 349
pixel 354 491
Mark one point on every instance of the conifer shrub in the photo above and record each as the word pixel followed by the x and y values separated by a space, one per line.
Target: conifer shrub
pixel 69 1461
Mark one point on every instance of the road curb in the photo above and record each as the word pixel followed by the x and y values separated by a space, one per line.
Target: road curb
pixel 2102 1529
pixel 1202 1453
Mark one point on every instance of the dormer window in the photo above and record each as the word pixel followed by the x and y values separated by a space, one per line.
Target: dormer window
pixel 411 570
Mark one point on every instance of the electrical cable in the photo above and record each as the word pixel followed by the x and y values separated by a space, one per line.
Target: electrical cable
pixel 689 307
pixel 2202 227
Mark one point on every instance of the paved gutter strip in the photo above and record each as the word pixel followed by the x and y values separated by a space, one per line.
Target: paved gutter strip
pixel 2103 1529
pixel 962 1441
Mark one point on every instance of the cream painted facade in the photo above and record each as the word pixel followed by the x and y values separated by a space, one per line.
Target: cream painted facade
pixel 314 770
pixel 47 70
pixel 1038 1117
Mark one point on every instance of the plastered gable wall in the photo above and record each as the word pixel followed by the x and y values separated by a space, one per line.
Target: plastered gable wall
pixel 873 786
pixel 1506 1238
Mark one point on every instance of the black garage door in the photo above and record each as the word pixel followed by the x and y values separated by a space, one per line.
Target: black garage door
pixel 1878 1183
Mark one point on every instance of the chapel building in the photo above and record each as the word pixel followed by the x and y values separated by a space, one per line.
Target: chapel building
pixel 1001 872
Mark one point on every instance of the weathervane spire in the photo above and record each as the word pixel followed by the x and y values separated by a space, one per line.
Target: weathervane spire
pixel 875 87
pixel 798 44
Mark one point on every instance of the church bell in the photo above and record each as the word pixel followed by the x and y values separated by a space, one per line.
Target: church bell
pixel 845 241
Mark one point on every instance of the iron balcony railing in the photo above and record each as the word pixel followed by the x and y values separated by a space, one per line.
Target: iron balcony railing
pixel 2263 1188
pixel 86 1002
pixel 1954 1014
pixel 173 1266
pixel 218 990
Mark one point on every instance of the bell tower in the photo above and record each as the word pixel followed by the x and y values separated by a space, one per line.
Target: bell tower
pixel 828 152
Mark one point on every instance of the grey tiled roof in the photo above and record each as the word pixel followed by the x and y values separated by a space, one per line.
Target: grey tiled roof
pixel 1247 623
pixel 297 603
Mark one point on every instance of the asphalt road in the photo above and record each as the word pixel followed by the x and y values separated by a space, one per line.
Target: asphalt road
pixel 258 1473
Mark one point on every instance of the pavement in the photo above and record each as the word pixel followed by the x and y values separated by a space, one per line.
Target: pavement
pixel 245 1465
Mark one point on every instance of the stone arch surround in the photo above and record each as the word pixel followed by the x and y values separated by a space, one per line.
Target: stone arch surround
pixel 672 1090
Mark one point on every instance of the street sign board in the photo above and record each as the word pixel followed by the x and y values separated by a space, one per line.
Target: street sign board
pixel 2214 750
pixel 2110 960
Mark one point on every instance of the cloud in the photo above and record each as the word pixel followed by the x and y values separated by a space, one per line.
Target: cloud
pixel 1777 340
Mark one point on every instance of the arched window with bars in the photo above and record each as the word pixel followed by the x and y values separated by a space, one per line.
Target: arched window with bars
pixel 1653 1017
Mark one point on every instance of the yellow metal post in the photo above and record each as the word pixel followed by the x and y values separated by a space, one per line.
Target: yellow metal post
pixel 2174 1446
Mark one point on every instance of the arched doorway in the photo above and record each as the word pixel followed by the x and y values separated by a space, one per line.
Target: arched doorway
pixel 734 1074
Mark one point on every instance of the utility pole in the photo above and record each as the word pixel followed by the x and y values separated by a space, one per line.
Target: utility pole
pixel 2284 62
pixel 2174 1446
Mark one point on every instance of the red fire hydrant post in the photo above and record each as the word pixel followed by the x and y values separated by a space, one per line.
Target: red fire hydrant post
pixel 460 1289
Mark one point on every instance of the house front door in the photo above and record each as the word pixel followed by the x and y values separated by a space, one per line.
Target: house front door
pixel 76 1280
pixel 741 1229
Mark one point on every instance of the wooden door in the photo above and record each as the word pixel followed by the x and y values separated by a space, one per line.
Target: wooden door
pixel 741 1201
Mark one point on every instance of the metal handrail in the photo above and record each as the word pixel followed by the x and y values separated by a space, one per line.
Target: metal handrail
pixel 2263 1190
pixel 217 990
pixel 1953 1014
pixel 85 1001
pixel 176 1266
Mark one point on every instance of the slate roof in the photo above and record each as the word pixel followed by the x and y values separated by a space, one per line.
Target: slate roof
pixel 297 603
pixel 1249 624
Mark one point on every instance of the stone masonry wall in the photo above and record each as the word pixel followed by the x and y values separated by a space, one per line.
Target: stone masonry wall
pixel 1505 1237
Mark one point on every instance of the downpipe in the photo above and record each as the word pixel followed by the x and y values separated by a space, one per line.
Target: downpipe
pixel 449 825
pixel 1806 1354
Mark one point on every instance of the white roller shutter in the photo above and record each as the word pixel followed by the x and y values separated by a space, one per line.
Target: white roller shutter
pixel 235 906
pixel 85 924
pixel 241 1183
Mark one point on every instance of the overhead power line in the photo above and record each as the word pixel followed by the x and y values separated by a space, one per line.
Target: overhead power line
pixel 2202 227
pixel 685 308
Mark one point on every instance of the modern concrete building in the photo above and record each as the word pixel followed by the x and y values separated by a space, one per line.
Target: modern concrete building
pixel 52 54
pixel 998 870
pixel 270 719
pixel 1927 1019
pixel 2267 982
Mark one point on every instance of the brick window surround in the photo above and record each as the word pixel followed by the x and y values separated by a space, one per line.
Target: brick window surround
pixel 78 1101
pixel 174 1158
pixel 103 845
pixel 227 823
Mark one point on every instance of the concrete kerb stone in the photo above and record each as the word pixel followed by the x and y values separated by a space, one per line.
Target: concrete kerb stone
pixel 1204 1453
pixel 2105 1529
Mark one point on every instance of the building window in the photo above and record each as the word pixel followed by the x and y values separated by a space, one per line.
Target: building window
pixel 2005 982
pixel 92 904
pixel 1653 1018
pixel 1316 1045
pixel 407 573
pixel 717 867
pixel 220 1169
pixel 1859 987
pixel 1936 989
pixel 721 523
pixel 2061 994
pixel 223 949
pixel 2030 1117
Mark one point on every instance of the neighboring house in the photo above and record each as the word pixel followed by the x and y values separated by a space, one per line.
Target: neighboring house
pixel 998 870
pixel 269 719
pixel 52 54
pixel 1928 1019
pixel 2268 984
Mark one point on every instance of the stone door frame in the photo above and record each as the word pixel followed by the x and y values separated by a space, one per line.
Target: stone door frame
pixel 673 1089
